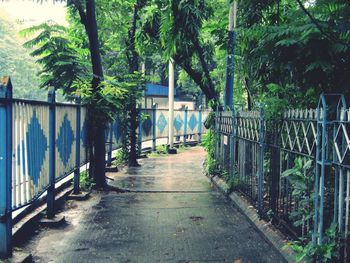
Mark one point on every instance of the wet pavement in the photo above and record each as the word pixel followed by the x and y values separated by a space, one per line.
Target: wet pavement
pixel 173 215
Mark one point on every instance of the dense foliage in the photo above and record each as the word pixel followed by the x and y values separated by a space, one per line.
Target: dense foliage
pixel 17 63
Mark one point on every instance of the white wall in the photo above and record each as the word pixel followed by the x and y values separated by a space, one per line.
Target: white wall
pixel 163 103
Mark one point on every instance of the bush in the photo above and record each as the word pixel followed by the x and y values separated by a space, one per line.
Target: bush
pixel 86 182
pixel 210 164
pixel 121 158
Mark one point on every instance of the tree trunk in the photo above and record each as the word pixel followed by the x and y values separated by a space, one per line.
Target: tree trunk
pixel 205 67
pixel 249 95
pixel 197 78
pixel 96 129
pixel 133 58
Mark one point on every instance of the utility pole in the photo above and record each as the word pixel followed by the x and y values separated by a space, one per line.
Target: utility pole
pixel 171 107
pixel 229 89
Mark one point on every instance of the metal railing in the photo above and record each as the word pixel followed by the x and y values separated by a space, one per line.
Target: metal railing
pixel 42 143
pixel 257 151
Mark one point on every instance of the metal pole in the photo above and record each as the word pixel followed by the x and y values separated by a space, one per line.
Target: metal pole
pixel 5 167
pixel 185 124
pixel 52 158
pixel 229 89
pixel 200 121
pixel 154 127
pixel 77 148
pixel 261 161
pixel 171 103
pixel 110 147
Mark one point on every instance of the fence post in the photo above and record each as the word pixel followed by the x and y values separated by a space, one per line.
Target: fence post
pixel 77 147
pixel 232 144
pixel 200 124
pixel 5 167
pixel 261 161
pixel 154 126
pixel 139 137
pixel 217 134
pixel 275 169
pixel 52 158
pixel 321 158
pixel 185 125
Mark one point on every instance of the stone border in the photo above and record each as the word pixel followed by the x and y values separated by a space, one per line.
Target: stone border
pixel 270 234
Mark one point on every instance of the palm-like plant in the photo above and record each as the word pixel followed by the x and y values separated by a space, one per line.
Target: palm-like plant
pixel 62 62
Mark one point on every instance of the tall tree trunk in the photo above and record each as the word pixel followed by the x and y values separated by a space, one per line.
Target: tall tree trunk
pixel 133 58
pixel 249 95
pixel 96 129
pixel 205 67
pixel 98 141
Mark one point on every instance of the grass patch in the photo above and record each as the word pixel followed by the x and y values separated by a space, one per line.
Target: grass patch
pixel 161 150
pixel 86 182
pixel 120 158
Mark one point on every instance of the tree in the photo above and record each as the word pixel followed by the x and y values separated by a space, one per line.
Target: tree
pixel 291 52
pixel 62 62
pixel 15 62
pixel 175 28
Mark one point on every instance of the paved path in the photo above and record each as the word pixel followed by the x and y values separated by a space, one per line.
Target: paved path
pixel 175 217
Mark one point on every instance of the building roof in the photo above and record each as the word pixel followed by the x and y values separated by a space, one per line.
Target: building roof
pixel 157 90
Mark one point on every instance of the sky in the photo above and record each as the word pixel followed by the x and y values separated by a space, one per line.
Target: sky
pixel 32 13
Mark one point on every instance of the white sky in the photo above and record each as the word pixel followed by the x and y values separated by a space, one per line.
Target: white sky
pixel 33 13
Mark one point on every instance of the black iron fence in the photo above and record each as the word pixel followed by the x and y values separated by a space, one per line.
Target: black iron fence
pixel 294 169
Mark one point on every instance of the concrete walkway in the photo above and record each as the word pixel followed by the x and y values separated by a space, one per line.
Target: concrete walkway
pixel 174 215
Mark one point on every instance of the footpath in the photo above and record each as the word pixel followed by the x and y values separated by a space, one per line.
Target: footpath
pixel 171 213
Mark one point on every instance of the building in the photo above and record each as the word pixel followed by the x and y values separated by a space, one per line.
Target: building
pixel 158 94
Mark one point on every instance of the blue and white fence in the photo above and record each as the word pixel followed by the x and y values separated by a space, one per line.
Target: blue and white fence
pixel 188 125
pixel 42 143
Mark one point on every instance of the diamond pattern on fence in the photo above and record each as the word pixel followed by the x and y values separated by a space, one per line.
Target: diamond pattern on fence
pixel 162 123
pixel 147 124
pixel 192 122
pixel 178 123
pixel 298 131
pixel 341 137
pixel 30 149
pixel 37 147
pixel 248 125
pixel 65 139
pixel 225 122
